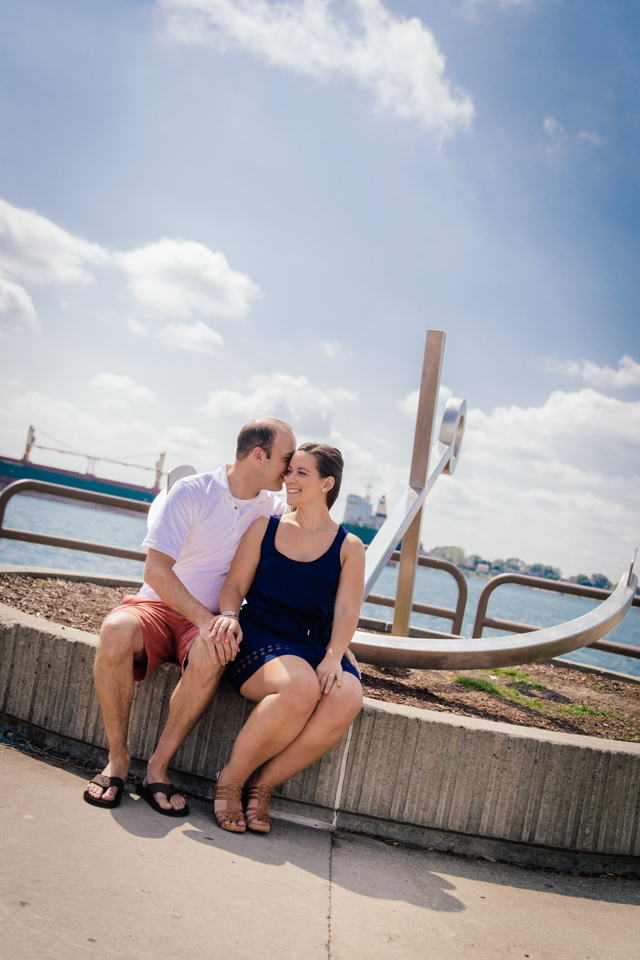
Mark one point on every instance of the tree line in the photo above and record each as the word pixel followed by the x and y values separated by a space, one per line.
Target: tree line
pixel 474 563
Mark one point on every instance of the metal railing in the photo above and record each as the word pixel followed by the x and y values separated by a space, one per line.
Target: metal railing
pixel 555 586
pixel 456 615
pixel 71 493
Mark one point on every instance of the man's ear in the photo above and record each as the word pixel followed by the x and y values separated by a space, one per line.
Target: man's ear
pixel 258 454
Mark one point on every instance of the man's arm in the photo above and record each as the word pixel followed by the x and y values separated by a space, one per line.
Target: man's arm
pixel 159 575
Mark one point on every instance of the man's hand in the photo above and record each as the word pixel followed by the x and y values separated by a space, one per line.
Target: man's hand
pixel 352 660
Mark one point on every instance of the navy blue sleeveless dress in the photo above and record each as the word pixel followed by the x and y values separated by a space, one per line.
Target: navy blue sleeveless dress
pixel 289 608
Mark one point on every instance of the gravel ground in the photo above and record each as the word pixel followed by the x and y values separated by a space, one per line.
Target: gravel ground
pixel 534 695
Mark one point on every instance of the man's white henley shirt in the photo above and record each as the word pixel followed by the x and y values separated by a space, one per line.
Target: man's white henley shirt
pixel 200 526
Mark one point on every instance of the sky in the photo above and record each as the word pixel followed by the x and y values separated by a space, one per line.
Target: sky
pixel 212 210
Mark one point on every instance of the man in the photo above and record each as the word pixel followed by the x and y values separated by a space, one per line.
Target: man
pixel 190 547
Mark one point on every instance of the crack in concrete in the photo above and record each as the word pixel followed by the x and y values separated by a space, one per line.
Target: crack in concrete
pixel 329 917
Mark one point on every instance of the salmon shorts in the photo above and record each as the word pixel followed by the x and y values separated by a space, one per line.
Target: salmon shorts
pixel 167 635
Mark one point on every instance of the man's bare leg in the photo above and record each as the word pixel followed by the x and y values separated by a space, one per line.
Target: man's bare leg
pixel 120 644
pixel 190 699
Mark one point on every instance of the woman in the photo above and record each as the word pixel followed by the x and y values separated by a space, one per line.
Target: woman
pixel 303 577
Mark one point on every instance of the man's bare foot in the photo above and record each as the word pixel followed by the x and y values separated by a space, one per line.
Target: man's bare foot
pixel 177 801
pixel 115 768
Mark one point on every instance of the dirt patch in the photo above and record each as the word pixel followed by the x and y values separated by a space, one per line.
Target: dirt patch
pixel 535 695
pixel 69 602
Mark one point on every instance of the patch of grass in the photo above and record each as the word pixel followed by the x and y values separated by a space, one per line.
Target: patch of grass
pixel 476 683
pixel 515 696
pixel 514 672
pixel 581 709
pixel 520 678
pixel 486 686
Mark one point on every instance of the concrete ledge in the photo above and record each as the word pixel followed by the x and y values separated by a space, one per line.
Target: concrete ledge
pixel 439 780
pixel 487 847
pixel 49 573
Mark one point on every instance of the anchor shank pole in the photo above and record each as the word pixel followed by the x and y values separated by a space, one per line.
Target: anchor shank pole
pixel 427 402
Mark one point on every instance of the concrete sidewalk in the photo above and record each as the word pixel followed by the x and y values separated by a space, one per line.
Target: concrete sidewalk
pixel 77 881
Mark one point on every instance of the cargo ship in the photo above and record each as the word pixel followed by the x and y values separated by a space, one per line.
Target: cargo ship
pixel 25 469
pixel 360 519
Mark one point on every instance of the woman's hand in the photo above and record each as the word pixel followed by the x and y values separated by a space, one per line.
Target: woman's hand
pixel 225 634
pixel 328 672
pixel 352 660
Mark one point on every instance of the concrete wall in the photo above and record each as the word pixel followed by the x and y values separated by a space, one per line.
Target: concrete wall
pixel 444 781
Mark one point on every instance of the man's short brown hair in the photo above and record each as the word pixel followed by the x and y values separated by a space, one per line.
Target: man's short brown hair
pixel 259 433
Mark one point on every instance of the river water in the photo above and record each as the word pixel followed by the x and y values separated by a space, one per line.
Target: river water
pixel 510 602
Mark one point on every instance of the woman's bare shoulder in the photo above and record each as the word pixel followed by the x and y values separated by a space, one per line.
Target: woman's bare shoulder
pixel 258 527
pixel 353 546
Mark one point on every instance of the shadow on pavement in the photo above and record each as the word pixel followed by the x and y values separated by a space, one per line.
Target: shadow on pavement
pixel 381 870
pixel 391 867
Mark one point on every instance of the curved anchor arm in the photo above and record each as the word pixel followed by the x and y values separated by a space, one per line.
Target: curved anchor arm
pixel 509 651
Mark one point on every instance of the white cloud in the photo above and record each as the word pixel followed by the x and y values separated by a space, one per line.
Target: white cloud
pixel 180 277
pixel 559 483
pixel 363 469
pixel 409 405
pixel 170 278
pixel 330 348
pixel 140 329
pixel 397 58
pixel 114 430
pixel 123 387
pixel 592 138
pixel 281 395
pixel 16 306
pixel 194 337
pixel 502 3
pixel 553 128
pixel 560 142
pixel 627 374
pixel 35 250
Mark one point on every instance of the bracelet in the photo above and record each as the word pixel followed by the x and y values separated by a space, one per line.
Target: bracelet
pixel 230 613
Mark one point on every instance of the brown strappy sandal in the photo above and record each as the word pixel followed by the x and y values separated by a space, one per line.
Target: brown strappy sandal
pixel 262 793
pixel 231 793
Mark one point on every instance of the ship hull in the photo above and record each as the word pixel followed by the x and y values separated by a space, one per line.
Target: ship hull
pixel 12 470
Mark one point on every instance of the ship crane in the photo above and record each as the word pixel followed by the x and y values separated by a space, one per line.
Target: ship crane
pixel 92 461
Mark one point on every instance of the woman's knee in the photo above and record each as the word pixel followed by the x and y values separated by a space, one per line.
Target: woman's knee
pixel 346 701
pixel 301 689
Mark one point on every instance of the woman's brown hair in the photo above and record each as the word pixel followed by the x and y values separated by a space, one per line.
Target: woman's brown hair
pixel 329 463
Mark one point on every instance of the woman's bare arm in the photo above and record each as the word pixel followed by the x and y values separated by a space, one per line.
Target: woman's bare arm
pixel 346 613
pixel 239 579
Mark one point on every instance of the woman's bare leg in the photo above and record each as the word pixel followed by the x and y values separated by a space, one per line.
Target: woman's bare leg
pixel 326 726
pixel 287 692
